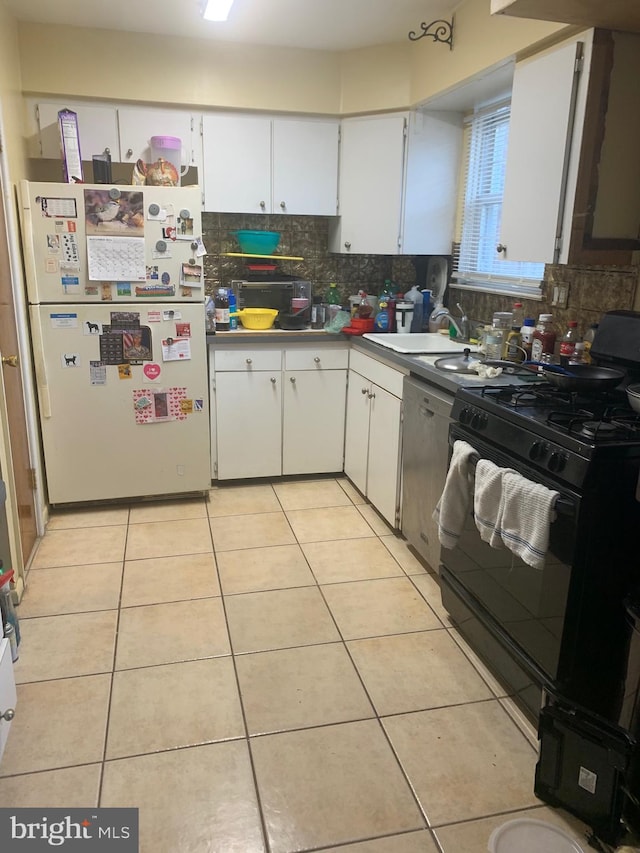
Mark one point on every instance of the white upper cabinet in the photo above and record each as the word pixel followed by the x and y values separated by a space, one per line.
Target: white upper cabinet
pixel 237 163
pixel 547 116
pixel 123 132
pixel 305 167
pixel 259 164
pixel 97 128
pixel 139 124
pixel 398 179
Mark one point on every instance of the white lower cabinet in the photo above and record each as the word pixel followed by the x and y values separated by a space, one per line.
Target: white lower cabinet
pixel 373 433
pixel 8 695
pixel 277 410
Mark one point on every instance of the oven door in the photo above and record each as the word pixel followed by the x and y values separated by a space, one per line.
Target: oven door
pixel 524 608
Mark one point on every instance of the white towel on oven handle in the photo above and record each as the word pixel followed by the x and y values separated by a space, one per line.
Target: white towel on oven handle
pixel 488 501
pixel 451 510
pixel 513 511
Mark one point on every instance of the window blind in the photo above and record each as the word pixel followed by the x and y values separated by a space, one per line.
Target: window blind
pixel 479 264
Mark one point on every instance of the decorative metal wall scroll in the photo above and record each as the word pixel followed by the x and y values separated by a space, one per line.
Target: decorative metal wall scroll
pixel 437 30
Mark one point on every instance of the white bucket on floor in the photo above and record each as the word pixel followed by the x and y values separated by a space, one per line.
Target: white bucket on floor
pixel 526 835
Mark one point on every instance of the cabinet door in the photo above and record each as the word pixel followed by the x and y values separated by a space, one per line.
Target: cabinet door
pixel 305 167
pixel 97 126
pixel 248 424
pixel 383 477
pixel 313 421
pixel 8 697
pixel 542 109
pixel 138 125
pixel 237 154
pixel 356 442
pixel 371 182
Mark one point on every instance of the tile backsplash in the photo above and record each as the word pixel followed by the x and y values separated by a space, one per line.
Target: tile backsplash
pixel 302 236
pixel 591 290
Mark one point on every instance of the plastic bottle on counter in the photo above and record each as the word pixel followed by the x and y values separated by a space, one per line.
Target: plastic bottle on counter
pixel 221 300
pixel 333 301
pixel 233 311
pixel 544 338
pixel 210 312
pixel 526 334
pixel 578 354
pixel 318 313
pixel 517 315
pixel 415 296
pixel 568 342
pixel 588 340
pixel 513 348
pixel 383 317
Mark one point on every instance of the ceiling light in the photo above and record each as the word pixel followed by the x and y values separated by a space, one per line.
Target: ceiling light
pixel 216 10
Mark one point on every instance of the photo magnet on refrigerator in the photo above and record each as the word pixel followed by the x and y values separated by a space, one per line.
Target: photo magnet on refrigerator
pixel 70 359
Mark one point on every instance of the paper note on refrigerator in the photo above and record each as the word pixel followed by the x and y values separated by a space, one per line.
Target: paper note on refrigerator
pixel 116 259
pixel 176 349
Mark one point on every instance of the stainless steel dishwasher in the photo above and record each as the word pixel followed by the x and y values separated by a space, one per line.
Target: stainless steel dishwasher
pixel 427 413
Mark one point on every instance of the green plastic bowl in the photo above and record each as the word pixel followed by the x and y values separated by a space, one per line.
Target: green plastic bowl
pixel 258 242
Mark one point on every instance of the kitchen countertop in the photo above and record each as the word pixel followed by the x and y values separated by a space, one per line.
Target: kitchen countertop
pixel 423 367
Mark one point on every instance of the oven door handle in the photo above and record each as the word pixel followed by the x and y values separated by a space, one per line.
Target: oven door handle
pixel 563 506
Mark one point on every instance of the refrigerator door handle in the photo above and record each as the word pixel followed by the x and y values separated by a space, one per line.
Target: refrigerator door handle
pixel 40 366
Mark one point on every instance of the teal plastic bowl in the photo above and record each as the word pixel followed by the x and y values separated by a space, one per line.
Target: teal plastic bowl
pixel 258 242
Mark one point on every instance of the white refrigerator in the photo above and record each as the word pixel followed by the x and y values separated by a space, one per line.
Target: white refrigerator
pixel 116 303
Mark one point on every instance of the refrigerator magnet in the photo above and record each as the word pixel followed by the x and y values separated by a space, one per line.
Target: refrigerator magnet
pixel 198 405
pixel 186 407
pixel 70 284
pixel 151 371
pixel 90 328
pixel 105 291
pixel 53 244
pixel 123 288
pixel 50 265
pixel 187 292
pixel 70 359
pixel 154 316
pixel 64 321
pixel 136 344
pixel 124 371
pixel 171 314
pixel 184 226
pixel 97 373
pixel 153 273
pixel 183 330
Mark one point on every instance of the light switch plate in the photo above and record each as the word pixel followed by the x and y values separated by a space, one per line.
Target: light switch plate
pixel 560 295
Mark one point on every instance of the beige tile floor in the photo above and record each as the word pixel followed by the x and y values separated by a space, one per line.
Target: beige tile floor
pixel 268 668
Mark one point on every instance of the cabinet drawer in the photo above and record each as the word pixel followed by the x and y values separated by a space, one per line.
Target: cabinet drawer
pixel 242 359
pixel 386 377
pixel 316 359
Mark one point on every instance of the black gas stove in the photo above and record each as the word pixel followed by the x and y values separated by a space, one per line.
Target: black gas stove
pixel 560 637
pixel 557 431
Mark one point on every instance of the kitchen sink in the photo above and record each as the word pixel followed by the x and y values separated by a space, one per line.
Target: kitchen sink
pixel 427 342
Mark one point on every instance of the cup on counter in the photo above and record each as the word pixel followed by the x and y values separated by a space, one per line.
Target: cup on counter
pixel 299 303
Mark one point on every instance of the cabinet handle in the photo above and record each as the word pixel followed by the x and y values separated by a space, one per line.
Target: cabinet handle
pixel 317 359
pixel 8 715
pixel 371 396
pixel 273 379
pixel 262 205
pixel 249 361
pixel 129 152
pixel 107 151
pixel 282 205
pixel 364 391
pixel 292 379
pixel 347 245
pixel 500 248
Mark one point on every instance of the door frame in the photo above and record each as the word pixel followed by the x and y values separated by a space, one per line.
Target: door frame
pixel 12 236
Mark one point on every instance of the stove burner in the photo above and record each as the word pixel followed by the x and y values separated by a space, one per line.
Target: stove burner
pixel 598 429
pixel 523 398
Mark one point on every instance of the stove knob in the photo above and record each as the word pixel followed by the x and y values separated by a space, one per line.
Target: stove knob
pixel 476 421
pixel 465 416
pixel 556 462
pixel 538 450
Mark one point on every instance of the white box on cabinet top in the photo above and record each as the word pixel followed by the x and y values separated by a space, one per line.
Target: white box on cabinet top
pixel 398 184
pixel 262 164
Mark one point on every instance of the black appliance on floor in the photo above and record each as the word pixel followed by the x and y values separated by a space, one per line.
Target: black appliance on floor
pixel 563 636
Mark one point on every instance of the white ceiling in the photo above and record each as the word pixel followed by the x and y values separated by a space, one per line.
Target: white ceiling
pixel 318 24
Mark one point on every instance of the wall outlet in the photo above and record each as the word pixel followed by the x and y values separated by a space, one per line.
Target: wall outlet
pixel 560 295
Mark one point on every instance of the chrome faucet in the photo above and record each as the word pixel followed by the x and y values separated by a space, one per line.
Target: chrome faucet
pixel 444 312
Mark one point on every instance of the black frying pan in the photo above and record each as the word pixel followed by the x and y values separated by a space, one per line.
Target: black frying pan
pixel 581 377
